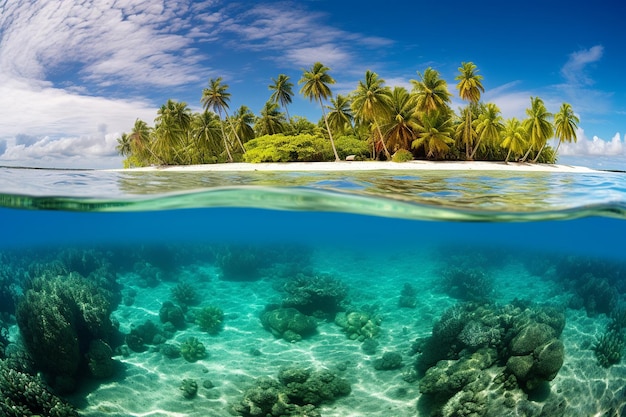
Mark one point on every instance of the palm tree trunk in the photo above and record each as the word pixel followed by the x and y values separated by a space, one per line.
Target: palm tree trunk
pixel 330 135
pixel 234 131
pixel 506 160
pixel 230 157
pixel 539 153
pixel 556 151
pixel 468 135
pixel 475 149
pixel 530 148
pixel 382 140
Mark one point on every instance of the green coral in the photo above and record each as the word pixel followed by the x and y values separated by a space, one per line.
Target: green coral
pixel 297 393
pixel 288 323
pixel 185 295
pixel 192 350
pixel 210 319
pixel 608 348
pixel 320 295
pixel 58 318
pixel 189 387
pixel 23 395
pixel 359 325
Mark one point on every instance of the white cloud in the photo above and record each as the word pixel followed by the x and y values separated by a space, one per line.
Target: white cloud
pixel 574 68
pixel 594 146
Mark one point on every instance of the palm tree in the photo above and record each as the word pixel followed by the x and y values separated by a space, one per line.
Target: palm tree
pixel 401 129
pixel 123 145
pixel 243 120
pixel 434 134
pixel 430 92
pixel 513 138
pixel 372 101
pixel 216 97
pixel 140 138
pixel 469 87
pixel 315 87
pixel 282 92
pixel 271 120
pixel 171 131
pixel 565 125
pixel 488 126
pixel 537 126
pixel 206 128
pixel 340 114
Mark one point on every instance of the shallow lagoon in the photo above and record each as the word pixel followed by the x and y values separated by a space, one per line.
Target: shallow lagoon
pixel 489 242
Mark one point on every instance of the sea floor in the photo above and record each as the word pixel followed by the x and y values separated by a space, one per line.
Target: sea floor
pixel 147 383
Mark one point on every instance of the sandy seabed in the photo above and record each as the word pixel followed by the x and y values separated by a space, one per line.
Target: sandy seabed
pixel 148 383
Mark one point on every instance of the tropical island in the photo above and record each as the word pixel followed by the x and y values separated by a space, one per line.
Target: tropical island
pixel 373 122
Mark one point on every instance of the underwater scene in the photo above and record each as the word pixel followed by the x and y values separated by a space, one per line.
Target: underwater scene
pixel 312 294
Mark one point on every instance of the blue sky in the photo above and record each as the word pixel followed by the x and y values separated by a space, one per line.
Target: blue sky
pixel 75 74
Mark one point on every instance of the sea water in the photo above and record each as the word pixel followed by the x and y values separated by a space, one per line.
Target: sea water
pixel 404 250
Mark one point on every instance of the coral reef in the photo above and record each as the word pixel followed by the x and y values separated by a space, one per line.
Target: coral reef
pixel 185 295
pixel 467 283
pixel 192 350
pixel 359 325
pixel 389 361
pixel 189 387
pixel 99 359
pixel 408 296
pixel 297 392
pixel 210 319
pixel 171 313
pixel 461 362
pixel 608 348
pixel 144 334
pixel 320 295
pixel 22 394
pixel 58 319
pixel 288 323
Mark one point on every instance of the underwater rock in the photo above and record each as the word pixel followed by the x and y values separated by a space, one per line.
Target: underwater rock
pixel 171 313
pixel 100 363
pixel 389 361
pixel 530 338
pixel 288 323
pixel 189 387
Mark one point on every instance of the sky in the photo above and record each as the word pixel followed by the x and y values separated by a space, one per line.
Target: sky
pixel 75 74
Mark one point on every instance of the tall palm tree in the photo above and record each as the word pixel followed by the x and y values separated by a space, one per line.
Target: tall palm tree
pixel 565 125
pixel 206 128
pixel 315 87
pixel 271 121
pixel 470 88
pixel 140 138
pixel 401 130
pixel 216 97
pixel 340 114
pixel 488 126
pixel 171 131
pixel 371 102
pixel 538 127
pixel 243 121
pixel 282 92
pixel 123 145
pixel 430 92
pixel 434 134
pixel 513 138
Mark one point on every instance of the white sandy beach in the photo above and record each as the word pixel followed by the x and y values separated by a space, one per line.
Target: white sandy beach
pixel 372 166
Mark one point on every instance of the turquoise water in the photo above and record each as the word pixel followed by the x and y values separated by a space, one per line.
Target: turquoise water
pixel 426 273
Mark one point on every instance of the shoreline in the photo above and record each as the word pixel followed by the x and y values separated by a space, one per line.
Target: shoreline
pixel 367 166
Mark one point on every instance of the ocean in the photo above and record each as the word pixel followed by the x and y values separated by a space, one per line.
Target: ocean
pixel 378 293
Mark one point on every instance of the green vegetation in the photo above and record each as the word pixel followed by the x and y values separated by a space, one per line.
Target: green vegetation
pixel 374 121
pixel 210 319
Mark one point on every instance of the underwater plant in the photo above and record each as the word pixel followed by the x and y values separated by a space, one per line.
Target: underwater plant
pixel 192 350
pixel 288 323
pixel 210 319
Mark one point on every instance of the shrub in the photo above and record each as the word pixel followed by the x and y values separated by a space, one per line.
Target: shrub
pixel 349 145
pixel 281 148
pixel 402 155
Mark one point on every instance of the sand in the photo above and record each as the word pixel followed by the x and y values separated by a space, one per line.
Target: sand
pixel 373 166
